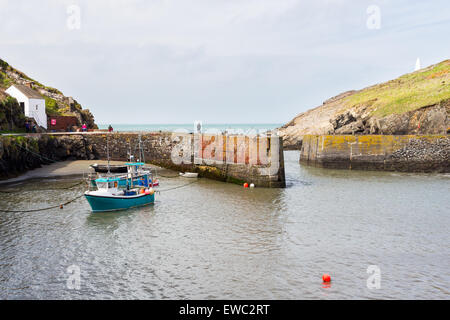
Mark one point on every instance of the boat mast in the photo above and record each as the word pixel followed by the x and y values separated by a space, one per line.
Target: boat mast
pixel 107 152
pixel 141 151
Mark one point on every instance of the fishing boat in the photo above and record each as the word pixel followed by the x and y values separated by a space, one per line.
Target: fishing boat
pixel 108 196
pixel 136 176
pixel 103 168
pixel 121 191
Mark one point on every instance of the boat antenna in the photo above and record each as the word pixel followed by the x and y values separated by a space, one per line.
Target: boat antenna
pixel 141 150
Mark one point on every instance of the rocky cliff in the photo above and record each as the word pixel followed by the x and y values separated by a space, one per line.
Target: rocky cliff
pixel 415 103
pixel 56 103
pixel 19 154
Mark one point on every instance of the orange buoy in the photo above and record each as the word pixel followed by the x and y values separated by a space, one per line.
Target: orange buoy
pixel 326 278
pixel 61 206
pixel 246 185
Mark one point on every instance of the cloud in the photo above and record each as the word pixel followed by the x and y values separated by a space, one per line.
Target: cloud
pixel 265 60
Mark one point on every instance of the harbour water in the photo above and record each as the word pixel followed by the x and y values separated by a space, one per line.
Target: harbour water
pixel 213 240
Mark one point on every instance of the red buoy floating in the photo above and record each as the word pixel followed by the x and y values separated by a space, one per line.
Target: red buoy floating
pixel 246 185
pixel 326 278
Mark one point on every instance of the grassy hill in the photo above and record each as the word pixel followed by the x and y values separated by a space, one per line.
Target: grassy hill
pixel 409 92
pixel 415 103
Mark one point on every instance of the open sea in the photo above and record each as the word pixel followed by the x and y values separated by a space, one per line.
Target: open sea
pixel 206 127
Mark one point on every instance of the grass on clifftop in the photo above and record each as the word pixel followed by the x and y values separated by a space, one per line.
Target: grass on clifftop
pixel 409 92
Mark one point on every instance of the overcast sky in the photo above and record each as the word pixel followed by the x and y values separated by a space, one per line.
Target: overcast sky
pixel 219 61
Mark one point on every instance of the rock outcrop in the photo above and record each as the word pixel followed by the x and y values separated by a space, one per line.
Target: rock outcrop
pixel 56 102
pixel 19 154
pixel 416 103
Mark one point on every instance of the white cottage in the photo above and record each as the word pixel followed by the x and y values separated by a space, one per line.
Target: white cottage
pixel 33 103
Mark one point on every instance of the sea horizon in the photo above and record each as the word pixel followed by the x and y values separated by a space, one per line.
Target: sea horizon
pixel 229 127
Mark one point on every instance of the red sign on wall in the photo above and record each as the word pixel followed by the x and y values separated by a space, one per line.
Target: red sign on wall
pixel 53 122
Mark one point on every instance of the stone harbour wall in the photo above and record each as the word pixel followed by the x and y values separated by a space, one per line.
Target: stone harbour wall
pixel 237 159
pixel 230 158
pixel 408 153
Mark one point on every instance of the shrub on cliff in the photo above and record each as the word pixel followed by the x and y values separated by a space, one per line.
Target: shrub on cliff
pixel 11 112
pixel 3 64
pixel 51 107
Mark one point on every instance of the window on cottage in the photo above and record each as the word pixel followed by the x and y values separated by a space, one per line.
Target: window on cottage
pixel 36 107
pixel 22 105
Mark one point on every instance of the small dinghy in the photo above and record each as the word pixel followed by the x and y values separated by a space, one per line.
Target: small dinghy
pixel 189 174
pixel 103 168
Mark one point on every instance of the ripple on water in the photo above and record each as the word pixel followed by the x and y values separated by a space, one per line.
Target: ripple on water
pixel 213 240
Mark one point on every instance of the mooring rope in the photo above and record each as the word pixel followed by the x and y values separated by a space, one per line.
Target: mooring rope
pixel 178 187
pixel 44 209
pixel 46 189
pixel 79 196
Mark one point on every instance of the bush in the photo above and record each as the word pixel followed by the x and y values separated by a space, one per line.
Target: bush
pixel 7 106
pixel 3 64
pixel 51 107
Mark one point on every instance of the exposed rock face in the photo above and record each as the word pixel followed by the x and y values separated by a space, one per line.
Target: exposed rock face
pixel 74 147
pixel 11 114
pixel 19 154
pixel 345 114
pixel 328 120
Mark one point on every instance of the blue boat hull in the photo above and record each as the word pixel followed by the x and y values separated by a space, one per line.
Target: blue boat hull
pixel 102 203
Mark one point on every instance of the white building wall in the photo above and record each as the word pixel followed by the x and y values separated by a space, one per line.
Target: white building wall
pixel 20 97
pixel 33 108
pixel 37 111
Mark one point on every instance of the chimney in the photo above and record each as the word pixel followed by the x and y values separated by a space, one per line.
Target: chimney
pixel 30 84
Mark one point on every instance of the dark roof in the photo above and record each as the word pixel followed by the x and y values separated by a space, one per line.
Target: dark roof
pixel 27 91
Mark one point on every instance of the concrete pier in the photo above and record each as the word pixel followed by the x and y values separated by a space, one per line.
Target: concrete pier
pixel 230 158
pixel 408 153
